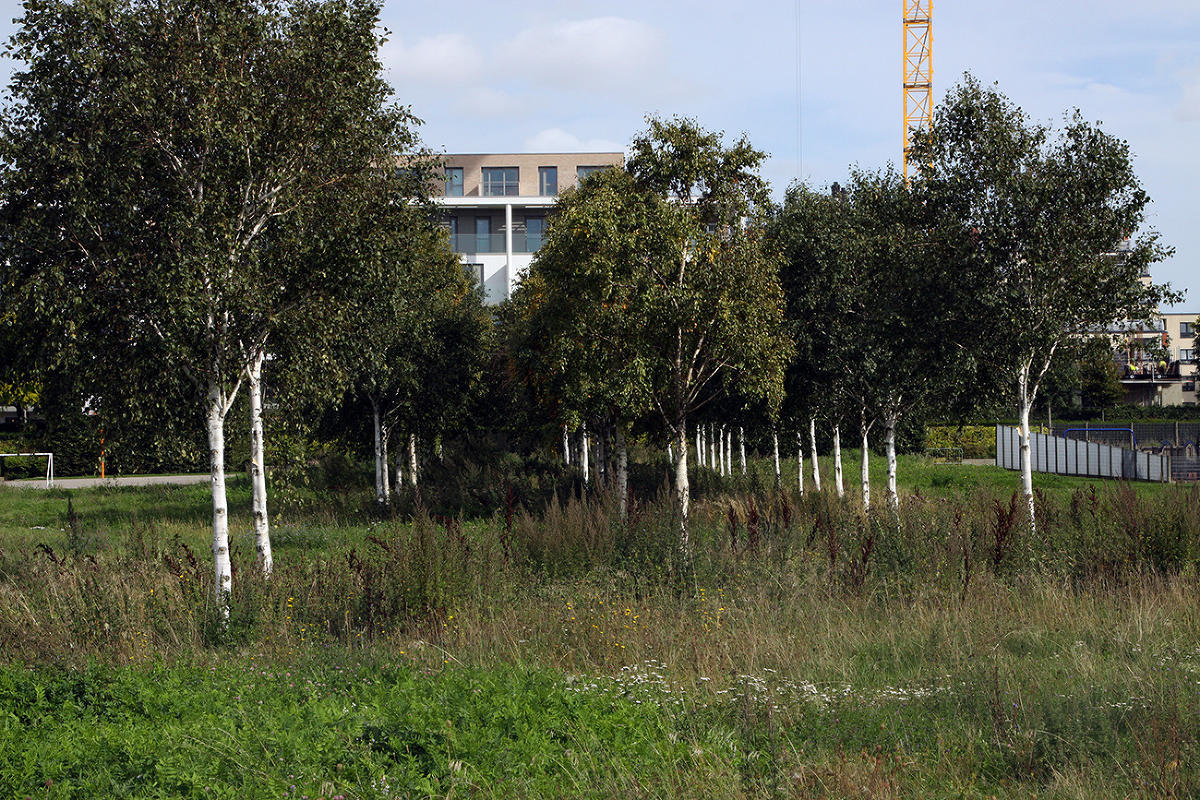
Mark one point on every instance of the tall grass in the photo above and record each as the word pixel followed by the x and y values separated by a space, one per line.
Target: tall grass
pixel 808 649
pixel 145 588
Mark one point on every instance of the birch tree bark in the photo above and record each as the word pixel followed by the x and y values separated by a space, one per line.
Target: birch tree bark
pixel 837 460
pixel 566 447
pixel 218 407
pixel 682 489
pixel 800 461
pixel 412 460
pixel 775 450
pixel 383 469
pixel 380 466
pixel 727 449
pixel 584 456
pixel 399 465
pixel 258 476
pixel 721 450
pixel 865 428
pixel 812 440
pixel 622 469
pixel 889 438
pixel 742 446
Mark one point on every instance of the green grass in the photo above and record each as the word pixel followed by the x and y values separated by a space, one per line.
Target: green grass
pixel 810 652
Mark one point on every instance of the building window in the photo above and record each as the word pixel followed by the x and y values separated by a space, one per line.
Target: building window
pixel 583 172
pixel 500 182
pixel 1187 330
pixel 454 182
pixel 474 273
pixel 483 234
pixel 535 229
pixel 547 181
pixel 1187 355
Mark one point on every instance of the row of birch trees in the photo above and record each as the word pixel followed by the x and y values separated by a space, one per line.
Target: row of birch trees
pixel 672 292
pixel 199 200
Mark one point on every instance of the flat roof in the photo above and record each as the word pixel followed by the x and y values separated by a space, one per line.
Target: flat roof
pixel 544 153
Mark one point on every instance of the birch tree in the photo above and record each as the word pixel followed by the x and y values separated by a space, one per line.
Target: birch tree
pixel 681 283
pixel 415 346
pixel 156 146
pixel 1042 213
pixel 811 231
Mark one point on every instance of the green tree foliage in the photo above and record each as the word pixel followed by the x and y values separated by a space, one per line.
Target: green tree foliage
pixel 654 292
pixel 150 153
pixel 1041 214
pixel 417 343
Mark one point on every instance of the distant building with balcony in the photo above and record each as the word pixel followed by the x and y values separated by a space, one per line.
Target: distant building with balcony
pixel 495 206
pixel 1151 380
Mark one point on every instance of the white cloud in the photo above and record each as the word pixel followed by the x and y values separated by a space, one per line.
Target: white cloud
pixel 603 53
pixel 444 58
pixel 484 101
pixel 1189 104
pixel 556 140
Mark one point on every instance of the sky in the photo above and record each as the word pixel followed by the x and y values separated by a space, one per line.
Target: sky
pixel 814 83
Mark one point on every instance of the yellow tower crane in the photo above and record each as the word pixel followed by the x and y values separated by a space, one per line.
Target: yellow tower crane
pixel 918 69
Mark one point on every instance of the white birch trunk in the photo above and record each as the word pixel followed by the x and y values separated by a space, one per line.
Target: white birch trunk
pixel 1025 403
pixel 380 463
pixel 400 456
pixel 216 458
pixel 258 475
pixel 383 468
pixel 584 456
pixel 682 490
pixel 729 451
pixel 670 453
pixel 714 430
pixel 866 472
pixel 800 461
pixel 566 447
pixel 837 460
pixel 708 446
pixel 602 459
pixel 742 446
pixel 812 451
pixel 775 448
pixel 699 445
pixel 622 468
pixel 412 460
pixel 721 450
pixel 889 438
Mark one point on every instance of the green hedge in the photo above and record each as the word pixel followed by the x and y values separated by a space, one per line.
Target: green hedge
pixel 977 441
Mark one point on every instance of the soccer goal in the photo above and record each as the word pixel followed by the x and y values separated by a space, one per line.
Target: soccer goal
pixel 49 464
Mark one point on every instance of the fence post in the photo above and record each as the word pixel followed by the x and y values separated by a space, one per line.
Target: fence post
pixel 1087 437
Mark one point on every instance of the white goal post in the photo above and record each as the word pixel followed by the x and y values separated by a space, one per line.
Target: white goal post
pixel 49 464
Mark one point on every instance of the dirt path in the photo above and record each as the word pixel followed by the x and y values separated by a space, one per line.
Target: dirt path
pixel 122 480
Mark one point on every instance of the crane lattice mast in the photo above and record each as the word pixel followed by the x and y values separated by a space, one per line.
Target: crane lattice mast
pixel 918 69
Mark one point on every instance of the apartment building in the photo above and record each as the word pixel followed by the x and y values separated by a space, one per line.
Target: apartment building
pixel 496 206
pixel 1158 362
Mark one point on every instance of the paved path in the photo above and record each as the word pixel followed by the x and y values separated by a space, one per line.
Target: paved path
pixel 122 480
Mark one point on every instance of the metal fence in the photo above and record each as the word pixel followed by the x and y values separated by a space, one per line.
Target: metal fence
pixel 1185 463
pixel 1146 434
pixel 1063 456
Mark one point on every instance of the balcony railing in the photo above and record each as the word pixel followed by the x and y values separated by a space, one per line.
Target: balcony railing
pixel 475 243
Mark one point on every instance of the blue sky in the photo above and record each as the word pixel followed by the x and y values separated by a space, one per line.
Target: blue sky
pixel 815 83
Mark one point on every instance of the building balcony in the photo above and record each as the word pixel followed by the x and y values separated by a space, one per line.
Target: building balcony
pixel 493 243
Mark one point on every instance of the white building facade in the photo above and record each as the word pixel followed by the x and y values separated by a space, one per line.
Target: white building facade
pixel 496 207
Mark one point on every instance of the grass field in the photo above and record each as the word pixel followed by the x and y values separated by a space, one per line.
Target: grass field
pixel 806 651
